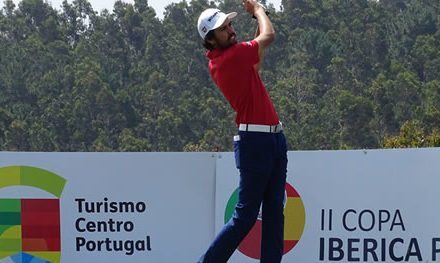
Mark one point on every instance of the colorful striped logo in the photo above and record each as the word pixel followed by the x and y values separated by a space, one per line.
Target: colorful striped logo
pixel 30 228
pixel 294 222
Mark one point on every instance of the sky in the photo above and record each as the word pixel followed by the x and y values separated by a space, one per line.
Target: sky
pixel 158 5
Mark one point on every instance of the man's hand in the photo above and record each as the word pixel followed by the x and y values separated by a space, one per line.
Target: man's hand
pixel 251 6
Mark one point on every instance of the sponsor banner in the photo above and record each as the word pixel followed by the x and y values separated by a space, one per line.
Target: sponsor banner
pixel 341 206
pixel 105 207
pixel 349 206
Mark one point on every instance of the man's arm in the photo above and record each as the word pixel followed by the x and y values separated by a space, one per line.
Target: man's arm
pixel 266 30
pixel 265 33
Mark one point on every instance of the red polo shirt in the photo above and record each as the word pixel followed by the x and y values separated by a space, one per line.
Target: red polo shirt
pixel 234 73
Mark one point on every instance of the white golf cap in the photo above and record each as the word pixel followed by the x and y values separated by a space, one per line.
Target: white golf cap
pixel 211 19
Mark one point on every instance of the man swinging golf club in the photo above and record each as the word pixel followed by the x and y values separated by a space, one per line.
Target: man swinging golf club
pixel 260 146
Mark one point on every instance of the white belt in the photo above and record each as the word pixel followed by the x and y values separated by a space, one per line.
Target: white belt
pixel 261 128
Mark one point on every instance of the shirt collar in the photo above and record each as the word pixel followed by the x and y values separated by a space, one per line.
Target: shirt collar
pixel 212 54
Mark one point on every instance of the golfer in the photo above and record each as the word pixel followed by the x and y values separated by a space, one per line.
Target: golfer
pixel 260 146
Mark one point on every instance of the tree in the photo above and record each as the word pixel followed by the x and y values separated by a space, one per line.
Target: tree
pixel 342 74
pixel 412 135
pixel 356 118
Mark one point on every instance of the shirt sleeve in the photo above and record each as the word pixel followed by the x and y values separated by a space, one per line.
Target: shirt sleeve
pixel 248 51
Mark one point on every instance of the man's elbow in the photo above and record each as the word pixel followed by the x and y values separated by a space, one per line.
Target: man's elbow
pixel 266 39
pixel 271 36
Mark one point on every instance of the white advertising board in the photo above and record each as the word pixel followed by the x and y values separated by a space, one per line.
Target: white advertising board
pixel 342 206
pixel 130 207
pixel 360 206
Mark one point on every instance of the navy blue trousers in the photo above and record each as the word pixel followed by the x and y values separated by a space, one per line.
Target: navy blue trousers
pixel 262 161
